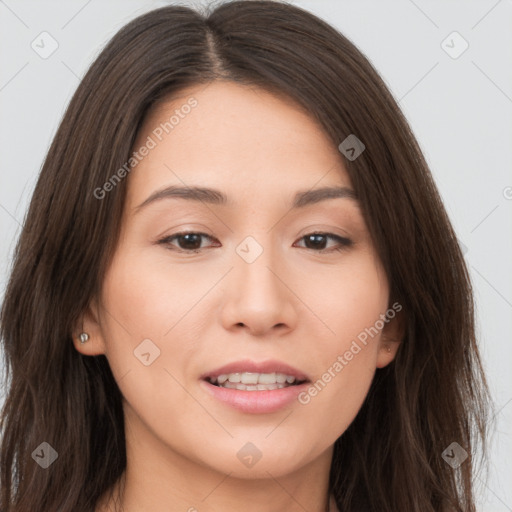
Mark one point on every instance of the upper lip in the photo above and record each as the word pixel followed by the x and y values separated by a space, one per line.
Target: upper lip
pixel 269 366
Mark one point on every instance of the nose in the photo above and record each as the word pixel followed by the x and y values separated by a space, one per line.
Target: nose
pixel 259 297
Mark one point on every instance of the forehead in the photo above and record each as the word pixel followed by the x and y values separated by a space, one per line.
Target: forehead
pixel 233 137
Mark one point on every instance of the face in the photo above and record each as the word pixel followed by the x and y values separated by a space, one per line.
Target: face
pixel 267 279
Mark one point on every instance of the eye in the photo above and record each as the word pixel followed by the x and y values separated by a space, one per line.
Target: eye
pixel 317 241
pixel 190 241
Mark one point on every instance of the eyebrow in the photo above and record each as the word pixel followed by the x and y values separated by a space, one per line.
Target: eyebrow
pixel 216 197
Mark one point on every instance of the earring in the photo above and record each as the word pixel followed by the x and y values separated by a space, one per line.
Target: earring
pixel 389 349
pixel 83 337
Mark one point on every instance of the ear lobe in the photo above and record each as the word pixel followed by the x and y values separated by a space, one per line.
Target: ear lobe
pixel 90 325
pixel 392 335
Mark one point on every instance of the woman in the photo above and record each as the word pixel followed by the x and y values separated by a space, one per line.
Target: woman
pixel 237 287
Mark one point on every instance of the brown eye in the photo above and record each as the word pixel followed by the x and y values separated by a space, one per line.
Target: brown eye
pixel 190 241
pixel 318 241
pixel 187 241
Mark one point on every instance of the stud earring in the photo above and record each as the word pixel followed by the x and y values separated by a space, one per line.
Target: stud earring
pixel 83 337
pixel 389 349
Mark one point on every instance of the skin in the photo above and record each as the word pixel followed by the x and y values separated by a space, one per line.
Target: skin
pixel 259 149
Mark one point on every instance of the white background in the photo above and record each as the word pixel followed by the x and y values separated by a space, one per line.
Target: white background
pixel 460 110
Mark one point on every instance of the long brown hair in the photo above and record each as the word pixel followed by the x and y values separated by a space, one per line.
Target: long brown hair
pixel 433 394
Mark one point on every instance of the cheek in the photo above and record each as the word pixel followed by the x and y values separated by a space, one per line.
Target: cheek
pixel 141 309
pixel 152 294
pixel 149 336
pixel 349 300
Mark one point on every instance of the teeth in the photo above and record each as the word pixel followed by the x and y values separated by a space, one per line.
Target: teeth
pixel 267 378
pixel 258 387
pixel 249 378
pixel 253 380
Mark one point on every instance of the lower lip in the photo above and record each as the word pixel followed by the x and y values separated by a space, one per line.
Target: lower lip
pixel 255 402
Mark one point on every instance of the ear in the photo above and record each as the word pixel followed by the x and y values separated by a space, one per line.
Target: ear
pixel 89 323
pixel 392 335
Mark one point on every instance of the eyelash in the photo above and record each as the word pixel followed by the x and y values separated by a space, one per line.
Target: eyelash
pixel 345 243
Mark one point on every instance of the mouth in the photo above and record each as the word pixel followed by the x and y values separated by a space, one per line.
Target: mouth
pixel 248 375
pixel 252 381
pixel 255 388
